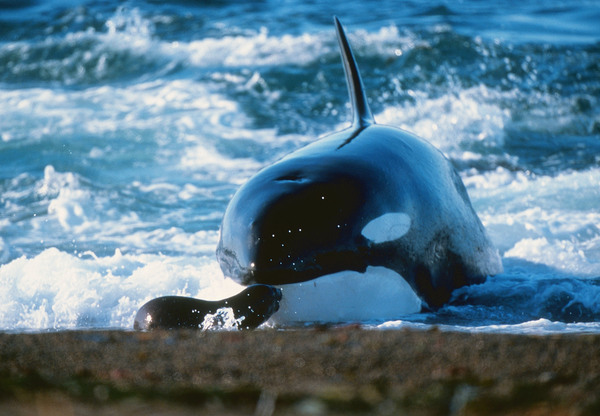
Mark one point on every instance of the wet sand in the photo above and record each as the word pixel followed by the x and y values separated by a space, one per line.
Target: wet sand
pixel 305 372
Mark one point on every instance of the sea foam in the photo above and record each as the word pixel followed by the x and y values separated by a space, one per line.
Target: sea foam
pixel 58 290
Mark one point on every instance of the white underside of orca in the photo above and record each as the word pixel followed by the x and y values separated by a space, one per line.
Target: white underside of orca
pixel 348 296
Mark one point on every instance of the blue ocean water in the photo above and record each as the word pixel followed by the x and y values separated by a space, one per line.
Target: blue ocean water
pixel 126 127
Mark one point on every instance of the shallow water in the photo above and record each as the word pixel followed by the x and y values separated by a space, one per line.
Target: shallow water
pixel 125 129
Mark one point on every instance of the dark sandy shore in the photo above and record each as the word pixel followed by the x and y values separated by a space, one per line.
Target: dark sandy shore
pixel 304 372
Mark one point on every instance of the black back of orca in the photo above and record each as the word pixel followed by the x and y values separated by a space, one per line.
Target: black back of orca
pixel 331 207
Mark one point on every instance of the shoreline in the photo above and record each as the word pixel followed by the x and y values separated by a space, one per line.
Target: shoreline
pixel 345 370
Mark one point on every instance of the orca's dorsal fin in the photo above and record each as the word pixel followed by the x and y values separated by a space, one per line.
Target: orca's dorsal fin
pixel 361 113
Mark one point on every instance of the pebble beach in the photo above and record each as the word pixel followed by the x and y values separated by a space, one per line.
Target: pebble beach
pixel 346 370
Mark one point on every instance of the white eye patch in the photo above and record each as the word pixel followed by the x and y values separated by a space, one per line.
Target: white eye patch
pixel 388 227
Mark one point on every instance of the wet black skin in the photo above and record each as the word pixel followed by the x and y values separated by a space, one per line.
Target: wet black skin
pixel 255 305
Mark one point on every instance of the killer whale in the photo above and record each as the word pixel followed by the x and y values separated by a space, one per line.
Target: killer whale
pixel 345 225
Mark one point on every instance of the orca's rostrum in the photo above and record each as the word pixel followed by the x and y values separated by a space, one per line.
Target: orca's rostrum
pixel 352 226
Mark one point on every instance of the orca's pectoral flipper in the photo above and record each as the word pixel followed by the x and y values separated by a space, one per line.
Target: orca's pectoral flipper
pixel 361 116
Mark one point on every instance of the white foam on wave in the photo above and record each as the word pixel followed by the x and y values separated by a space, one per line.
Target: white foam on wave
pixel 58 290
pixel 86 54
pixel 222 320
pixel 221 167
pixel 130 33
pixel 53 209
pixel 169 107
pixel 70 203
pixel 181 117
pixel 77 214
pixel 564 255
pixel 468 115
pixel 257 49
pixel 535 327
pixel 539 327
pixel 263 49
pixel 550 220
